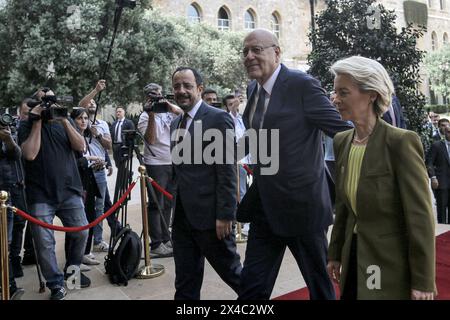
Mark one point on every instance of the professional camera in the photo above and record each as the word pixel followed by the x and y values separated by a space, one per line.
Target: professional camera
pixel 51 109
pixel 7 120
pixel 157 103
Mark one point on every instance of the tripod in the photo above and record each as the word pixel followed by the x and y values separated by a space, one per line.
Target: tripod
pixel 125 176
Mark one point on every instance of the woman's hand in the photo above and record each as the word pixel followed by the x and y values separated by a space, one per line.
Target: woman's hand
pixel 334 270
pixel 421 295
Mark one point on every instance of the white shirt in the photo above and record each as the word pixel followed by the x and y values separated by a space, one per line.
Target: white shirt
pixel 192 113
pixel 268 87
pixel 118 132
pixel 161 147
pixel 239 129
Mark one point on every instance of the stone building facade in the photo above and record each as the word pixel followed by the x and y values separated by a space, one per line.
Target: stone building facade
pixel 291 19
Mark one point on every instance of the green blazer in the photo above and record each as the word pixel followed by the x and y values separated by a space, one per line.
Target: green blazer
pixel 394 215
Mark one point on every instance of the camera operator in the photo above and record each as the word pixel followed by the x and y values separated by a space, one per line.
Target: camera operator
pixel 54 188
pixel 9 154
pixel 97 146
pixel 157 158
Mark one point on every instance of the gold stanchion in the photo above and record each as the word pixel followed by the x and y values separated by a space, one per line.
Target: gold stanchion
pixel 4 244
pixel 149 270
pixel 239 237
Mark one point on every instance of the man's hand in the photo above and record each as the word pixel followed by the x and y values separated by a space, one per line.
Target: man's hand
pixel 174 108
pixel 101 85
pixel 334 270
pixel 5 134
pixel 223 228
pixel 434 183
pixel 110 171
pixel 421 295
pixel 94 131
pixel 36 110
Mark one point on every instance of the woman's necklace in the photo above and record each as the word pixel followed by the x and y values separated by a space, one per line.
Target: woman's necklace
pixel 360 140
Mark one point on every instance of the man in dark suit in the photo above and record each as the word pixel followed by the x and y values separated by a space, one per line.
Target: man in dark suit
pixel 292 207
pixel 206 193
pixel 439 171
pixel 121 124
pixel 394 115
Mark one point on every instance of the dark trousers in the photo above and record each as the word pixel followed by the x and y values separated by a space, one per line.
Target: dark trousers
pixel 117 154
pixel 264 255
pixel 158 229
pixel 442 205
pixel 350 291
pixel 191 247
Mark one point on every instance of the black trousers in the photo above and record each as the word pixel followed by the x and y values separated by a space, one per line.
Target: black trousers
pixel 163 175
pixel 264 255
pixel 442 205
pixel 191 247
pixel 18 201
pixel 350 291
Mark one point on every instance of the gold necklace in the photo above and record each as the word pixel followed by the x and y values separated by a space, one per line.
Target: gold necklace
pixel 355 139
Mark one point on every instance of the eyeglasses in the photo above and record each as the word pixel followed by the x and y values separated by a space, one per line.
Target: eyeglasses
pixel 257 50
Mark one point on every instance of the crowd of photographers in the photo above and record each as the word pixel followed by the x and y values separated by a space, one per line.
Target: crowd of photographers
pixel 56 163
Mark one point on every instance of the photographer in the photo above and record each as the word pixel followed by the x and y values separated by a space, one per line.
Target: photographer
pixel 9 154
pixel 156 130
pixel 54 187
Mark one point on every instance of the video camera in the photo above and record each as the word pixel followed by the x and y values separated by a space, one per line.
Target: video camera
pixel 7 120
pixel 157 103
pixel 51 109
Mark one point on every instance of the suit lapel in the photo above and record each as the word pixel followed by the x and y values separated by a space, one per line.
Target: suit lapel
pixel 277 96
pixel 444 148
pixel 344 166
pixel 252 94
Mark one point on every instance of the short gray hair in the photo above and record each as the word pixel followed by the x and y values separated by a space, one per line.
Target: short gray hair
pixel 369 75
pixel 151 87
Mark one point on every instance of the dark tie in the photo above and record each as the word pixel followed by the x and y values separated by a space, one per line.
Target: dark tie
pixel 259 110
pixel 182 125
pixel 117 130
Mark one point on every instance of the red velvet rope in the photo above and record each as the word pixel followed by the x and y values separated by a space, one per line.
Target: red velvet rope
pixel 77 229
pixel 160 189
pixel 247 168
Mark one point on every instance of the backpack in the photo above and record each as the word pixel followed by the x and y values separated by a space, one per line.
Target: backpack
pixel 124 257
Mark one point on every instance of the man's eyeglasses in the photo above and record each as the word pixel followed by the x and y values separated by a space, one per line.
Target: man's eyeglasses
pixel 256 50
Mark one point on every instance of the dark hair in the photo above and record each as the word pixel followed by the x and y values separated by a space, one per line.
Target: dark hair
pixel 208 91
pixel 198 77
pixel 228 97
pixel 76 112
pixel 442 120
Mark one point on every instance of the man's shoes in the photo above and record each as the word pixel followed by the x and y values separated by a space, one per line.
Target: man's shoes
pixel 28 259
pixel 101 247
pixel 168 245
pixel 58 293
pixel 16 294
pixel 89 259
pixel 16 267
pixel 161 252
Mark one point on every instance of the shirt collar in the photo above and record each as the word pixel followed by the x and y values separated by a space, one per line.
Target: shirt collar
pixel 268 85
pixel 194 110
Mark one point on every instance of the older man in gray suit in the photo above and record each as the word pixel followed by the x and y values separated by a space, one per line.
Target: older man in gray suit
pixel 292 207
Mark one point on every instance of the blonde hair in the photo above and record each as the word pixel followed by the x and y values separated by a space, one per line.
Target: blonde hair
pixel 369 75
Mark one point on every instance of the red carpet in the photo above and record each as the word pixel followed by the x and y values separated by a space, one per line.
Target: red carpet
pixel 442 273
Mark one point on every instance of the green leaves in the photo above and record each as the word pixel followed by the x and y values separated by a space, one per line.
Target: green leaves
pixel 75 36
pixel 346 28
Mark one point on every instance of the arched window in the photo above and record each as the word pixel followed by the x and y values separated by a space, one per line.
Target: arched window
pixel 445 39
pixel 249 20
pixel 224 19
pixel 194 13
pixel 434 43
pixel 275 24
